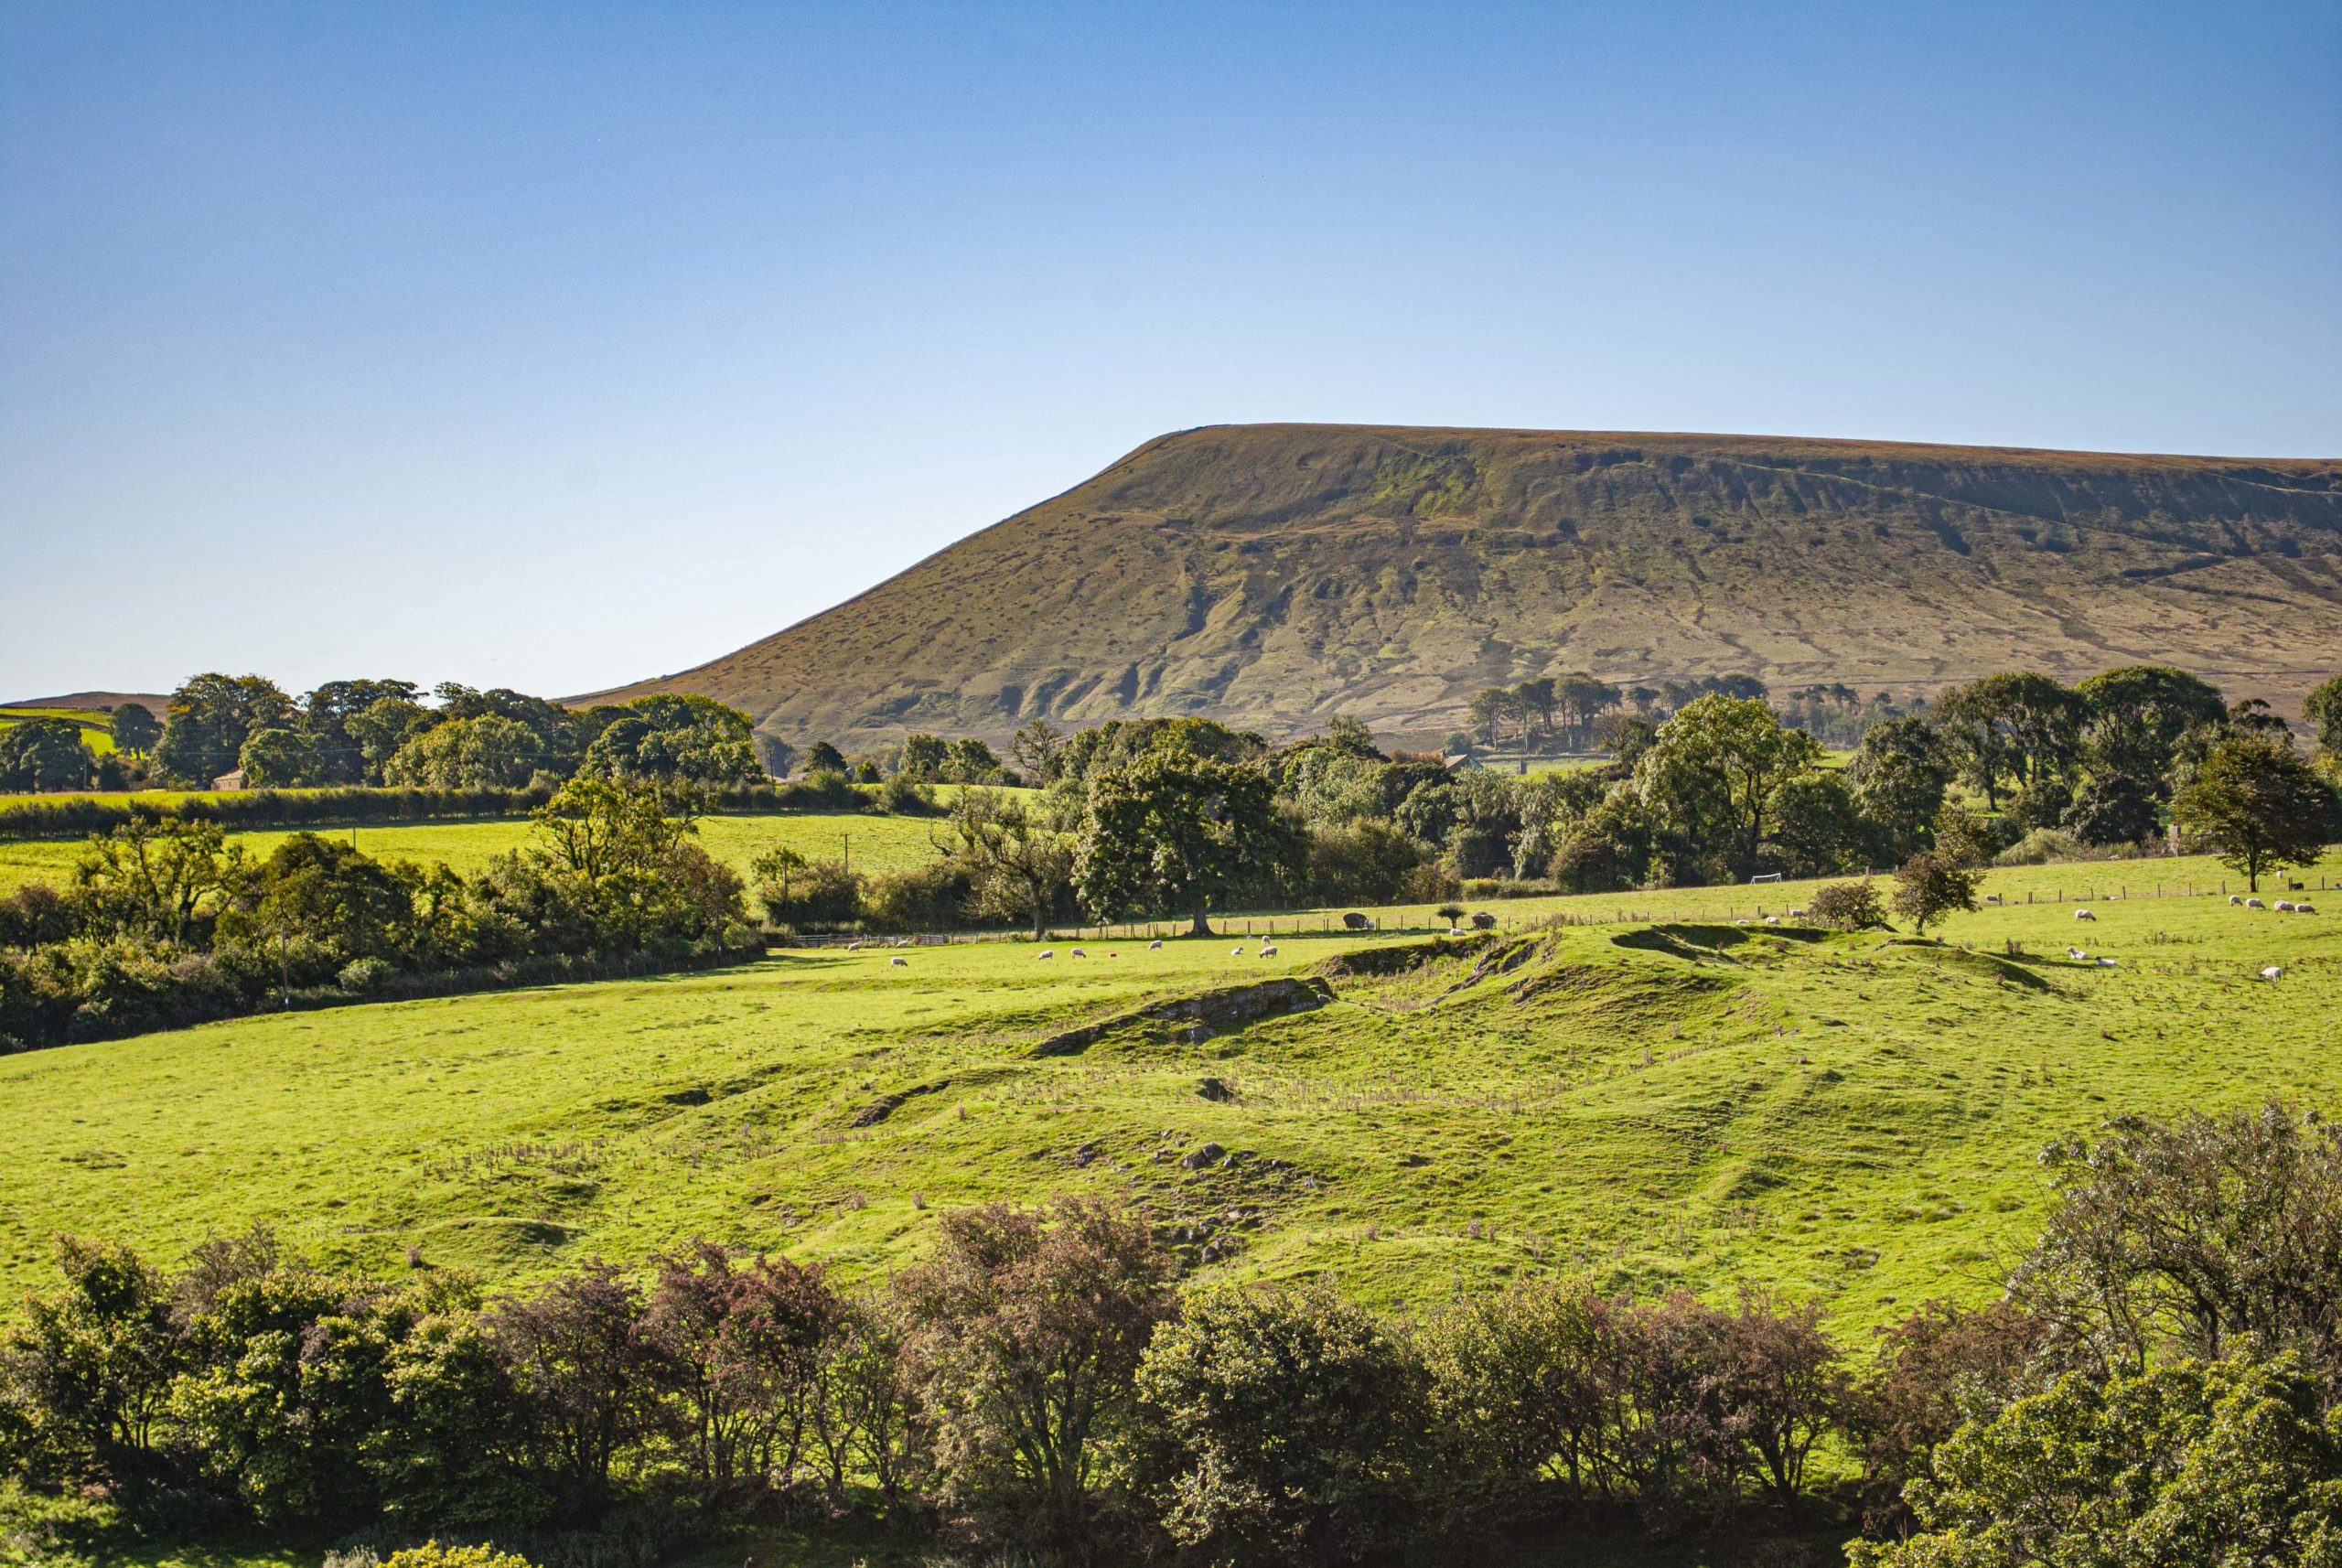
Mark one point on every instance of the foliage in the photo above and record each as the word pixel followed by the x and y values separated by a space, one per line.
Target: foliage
pixel 136 729
pixel 1716 772
pixel 486 751
pixel 208 720
pixel 2227 1464
pixel 1176 831
pixel 2260 804
pixel 1930 886
pixel 45 755
pixel 1282 1425
pixel 1847 907
pixel 1018 858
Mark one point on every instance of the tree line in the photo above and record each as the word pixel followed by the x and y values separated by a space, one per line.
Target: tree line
pixel 1181 817
pixel 2160 1382
pixel 167 923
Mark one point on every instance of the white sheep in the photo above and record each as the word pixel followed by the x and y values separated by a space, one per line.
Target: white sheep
pixel 2274 971
pixel 2106 963
pixel 2284 906
pixel 2236 900
pixel 1267 950
pixel 1079 953
pixel 1772 919
pixel 900 962
pixel 854 946
pixel 2254 904
pixel 1155 946
pixel 2084 915
pixel 2305 909
pixel 1236 953
pixel 2076 954
pixel 1049 952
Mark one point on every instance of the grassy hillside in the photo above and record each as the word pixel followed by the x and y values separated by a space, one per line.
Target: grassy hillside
pixel 97 731
pixel 1273 575
pixel 1855 1117
pixel 878 843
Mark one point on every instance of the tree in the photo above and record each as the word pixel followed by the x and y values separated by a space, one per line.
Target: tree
pixel 1284 1424
pixel 967 761
pixel 208 720
pixel 1847 907
pixel 163 880
pixel 582 1368
pixel 92 1365
pixel 43 754
pixel 2262 806
pixel 1025 1333
pixel 380 728
pixel 920 759
pixel 1177 832
pixel 1817 829
pixel 1717 769
pixel 676 740
pixel 2132 719
pixel 2015 727
pixel 824 758
pixel 338 750
pixel 1930 886
pixel 2226 1464
pixel 323 892
pixel 1035 748
pixel 136 729
pixel 2323 708
pixel 277 758
pixel 2195 1236
pixel 1899 773
pixel 1018 856
pixel 484 752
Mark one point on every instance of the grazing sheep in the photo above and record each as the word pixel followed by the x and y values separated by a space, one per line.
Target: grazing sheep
pixel 2106 963
pixel 900 962
pixel 2084 915
pixel 2284 906
pixel 1078 954
pixel 1155 946
pixel 2076 954
pixel 1236 953
pixel 854 946
pixel 1796 914
pixel 1772 919
pixel 2236 900
pixel 1990 899
pixel 2305 909
pixel 1049 952
pixel 2254 904
pixel 1267 950
pixel 2274 971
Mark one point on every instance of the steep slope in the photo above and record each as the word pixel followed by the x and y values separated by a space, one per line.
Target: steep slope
pixel 1273 575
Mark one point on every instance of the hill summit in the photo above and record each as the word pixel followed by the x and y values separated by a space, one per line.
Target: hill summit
pixel 1275 576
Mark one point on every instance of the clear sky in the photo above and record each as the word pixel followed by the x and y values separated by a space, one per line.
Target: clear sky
pixel 557 346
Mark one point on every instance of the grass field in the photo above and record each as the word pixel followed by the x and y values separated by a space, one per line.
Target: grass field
pixel 877 844
pixel 1851 1117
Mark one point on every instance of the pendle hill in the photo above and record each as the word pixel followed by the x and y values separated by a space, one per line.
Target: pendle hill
pixel 1273 576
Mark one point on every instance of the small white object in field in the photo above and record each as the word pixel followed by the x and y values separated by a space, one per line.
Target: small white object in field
pixel 2084 915
pixel 1236 953
pixel 854 947
pixel 2106 963
pixel 2254 904
pixel 2236 900
pixel 1155 946
pixel 2274 971
pixel 1079 953
pixel 900 962
pixel 2075 953
pixel 1049 952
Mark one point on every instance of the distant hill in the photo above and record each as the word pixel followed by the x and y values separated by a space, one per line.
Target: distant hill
pixel 1275 576
pixel 97 701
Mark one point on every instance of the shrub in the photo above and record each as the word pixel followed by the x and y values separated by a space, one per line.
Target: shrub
pixel 1847 907
pixel 1283 1424
pixel 1930 886
pixel 431 1554
pixel 364 975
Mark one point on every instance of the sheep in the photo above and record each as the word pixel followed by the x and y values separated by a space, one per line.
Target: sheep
pixel 2284 906
pixel 2236 900
pixel 2084 915
pixel 854 946
pixel 1155 946
pixel 1079 953
pixel 900 962
pixel 1992 897
pixel 1237 951
pixel 2273 973
pixel 1267 950
pixel 2304 910
pixel 1049 952
pixel 2106 963
pixel 1772 919
pixel 2076 954
pixel 2254 904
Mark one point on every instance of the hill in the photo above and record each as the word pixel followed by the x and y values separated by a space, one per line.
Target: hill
pixel 1273 576
pixel 1849 1117
pixel 98 702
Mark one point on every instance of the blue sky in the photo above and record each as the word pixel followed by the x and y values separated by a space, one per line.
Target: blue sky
pixel 559 346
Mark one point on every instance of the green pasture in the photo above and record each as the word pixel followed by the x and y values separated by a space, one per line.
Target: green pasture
pixel 1852 1118
pixel 873 842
